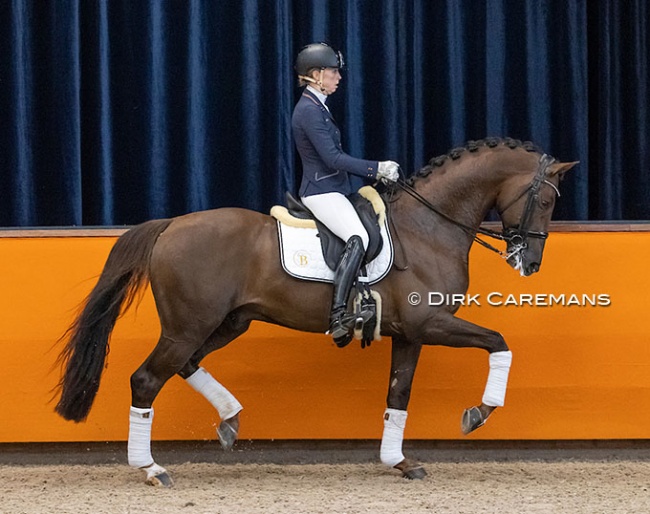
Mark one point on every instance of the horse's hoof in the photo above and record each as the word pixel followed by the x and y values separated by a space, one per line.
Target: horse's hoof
pixel 411 470
pixel 227 434
pixel 417 473
pixel 160 480
pixel 157 476
pixel 471 420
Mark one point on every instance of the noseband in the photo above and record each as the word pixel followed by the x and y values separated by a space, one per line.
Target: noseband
pixel 517 236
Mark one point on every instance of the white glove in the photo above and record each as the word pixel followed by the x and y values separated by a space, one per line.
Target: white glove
pixel 388 170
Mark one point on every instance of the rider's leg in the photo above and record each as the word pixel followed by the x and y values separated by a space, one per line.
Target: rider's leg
pixel 336 212
pixel 342 322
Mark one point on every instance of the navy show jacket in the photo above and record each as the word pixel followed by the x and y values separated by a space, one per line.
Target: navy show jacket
pixel 325 166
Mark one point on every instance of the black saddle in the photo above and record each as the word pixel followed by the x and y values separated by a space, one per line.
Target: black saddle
pixel 331 244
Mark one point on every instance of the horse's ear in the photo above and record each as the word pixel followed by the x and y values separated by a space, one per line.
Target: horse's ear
pixel 560 168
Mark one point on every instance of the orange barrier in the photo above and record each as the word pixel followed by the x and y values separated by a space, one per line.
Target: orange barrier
pixel 579 371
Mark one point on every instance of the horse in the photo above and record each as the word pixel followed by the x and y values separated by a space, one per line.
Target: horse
pixel 200 266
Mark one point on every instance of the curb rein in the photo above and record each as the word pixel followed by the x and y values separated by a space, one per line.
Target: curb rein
pixel 516 237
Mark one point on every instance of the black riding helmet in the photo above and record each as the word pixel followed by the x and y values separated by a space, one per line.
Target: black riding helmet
pixel 318 55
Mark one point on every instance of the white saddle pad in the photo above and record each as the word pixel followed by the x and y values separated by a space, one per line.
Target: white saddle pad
pixel 302 257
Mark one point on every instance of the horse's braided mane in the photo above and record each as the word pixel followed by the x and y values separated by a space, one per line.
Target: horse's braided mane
pixel 472 146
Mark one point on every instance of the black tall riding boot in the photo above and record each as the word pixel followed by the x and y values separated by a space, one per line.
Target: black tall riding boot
pixel 342 322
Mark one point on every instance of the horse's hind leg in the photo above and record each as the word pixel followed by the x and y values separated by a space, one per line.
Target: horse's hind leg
pixel 203 382
pixel 167 358
pixel 404 359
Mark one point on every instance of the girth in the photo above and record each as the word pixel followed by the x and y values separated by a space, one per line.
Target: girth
pixel 331 244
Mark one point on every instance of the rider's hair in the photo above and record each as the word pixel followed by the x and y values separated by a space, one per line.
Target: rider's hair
pixel 302 82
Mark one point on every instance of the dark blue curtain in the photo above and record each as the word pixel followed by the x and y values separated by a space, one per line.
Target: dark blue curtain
pixel 114 112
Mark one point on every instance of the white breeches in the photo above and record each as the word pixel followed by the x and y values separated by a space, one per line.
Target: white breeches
pixel 336 212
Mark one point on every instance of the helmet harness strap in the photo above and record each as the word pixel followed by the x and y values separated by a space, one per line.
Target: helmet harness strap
pixel 318 82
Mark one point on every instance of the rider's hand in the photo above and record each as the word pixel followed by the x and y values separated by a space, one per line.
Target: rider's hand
pixel 388 170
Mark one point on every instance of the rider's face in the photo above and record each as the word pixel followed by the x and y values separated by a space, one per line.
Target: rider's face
pixel 330 79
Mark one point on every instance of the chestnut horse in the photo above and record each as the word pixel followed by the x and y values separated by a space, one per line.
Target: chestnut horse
pixel 212 273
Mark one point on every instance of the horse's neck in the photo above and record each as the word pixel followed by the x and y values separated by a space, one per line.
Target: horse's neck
pixel 463 192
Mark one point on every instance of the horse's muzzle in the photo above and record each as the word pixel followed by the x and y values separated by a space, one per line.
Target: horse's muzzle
pixel 519 261
pixel 531 268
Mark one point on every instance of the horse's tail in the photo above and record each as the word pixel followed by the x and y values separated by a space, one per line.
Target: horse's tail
pixel 126 271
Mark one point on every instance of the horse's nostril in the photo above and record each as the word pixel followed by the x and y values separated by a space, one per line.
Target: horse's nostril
pixel 533 267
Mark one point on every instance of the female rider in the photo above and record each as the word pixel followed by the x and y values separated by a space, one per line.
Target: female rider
pixel 326 167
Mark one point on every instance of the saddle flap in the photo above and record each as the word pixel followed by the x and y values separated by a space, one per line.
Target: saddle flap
pixel 369 218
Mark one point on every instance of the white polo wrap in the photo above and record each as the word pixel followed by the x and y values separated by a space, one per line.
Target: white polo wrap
pixel 495 389
pixel 220 398
pixel 391 441
pixel 139 446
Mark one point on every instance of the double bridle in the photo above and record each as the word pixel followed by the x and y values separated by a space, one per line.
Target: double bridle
pixel 517 236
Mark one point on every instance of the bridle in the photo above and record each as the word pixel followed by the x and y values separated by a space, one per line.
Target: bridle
pixel 516 236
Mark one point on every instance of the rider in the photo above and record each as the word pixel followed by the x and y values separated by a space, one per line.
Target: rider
pixel 325 174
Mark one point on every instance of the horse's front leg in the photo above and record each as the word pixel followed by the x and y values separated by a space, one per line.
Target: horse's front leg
pixel 447 330
pixel 404 360
pixel 494 395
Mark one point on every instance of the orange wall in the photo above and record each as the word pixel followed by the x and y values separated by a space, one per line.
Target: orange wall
pixel 578 372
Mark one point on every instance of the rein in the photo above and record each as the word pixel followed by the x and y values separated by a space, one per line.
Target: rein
pixel 516 237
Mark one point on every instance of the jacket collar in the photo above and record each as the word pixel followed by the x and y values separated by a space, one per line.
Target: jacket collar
pixel 322 98
pixel 312 97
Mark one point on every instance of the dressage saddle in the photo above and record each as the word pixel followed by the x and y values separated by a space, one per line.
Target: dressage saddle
pixel 331 244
